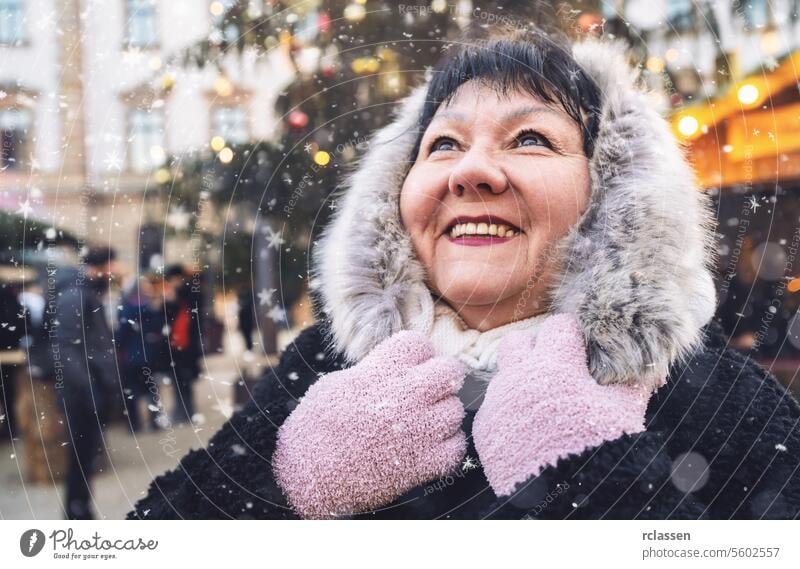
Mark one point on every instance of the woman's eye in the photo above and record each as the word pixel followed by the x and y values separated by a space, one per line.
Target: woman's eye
pixel 443 143
pixel 531 138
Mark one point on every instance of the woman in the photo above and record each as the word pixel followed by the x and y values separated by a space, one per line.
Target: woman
pixel 517 323
pixel 139 331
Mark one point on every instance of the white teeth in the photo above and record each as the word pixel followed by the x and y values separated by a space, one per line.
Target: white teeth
pixel 482 229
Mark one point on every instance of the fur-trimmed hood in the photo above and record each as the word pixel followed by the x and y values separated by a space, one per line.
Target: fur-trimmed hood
pixel 636 267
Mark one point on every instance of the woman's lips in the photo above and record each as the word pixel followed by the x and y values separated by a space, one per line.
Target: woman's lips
pixel 482 228
pixel 482 231
pixel 478 241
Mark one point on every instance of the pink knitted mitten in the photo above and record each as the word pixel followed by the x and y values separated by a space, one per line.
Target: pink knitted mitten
pixel 363 436
pixel 543 405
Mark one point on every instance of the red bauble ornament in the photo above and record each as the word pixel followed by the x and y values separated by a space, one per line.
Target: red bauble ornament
pixel 324 22
pixel 298 119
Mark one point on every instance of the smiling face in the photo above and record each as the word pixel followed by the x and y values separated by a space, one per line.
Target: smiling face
pixel 498 180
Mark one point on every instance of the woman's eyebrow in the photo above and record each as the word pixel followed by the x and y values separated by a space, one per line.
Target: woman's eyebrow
pixel 453 115
pixel 529 110
pixel 524 111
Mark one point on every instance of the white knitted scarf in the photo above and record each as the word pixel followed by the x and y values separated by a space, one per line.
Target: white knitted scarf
pixel 451 336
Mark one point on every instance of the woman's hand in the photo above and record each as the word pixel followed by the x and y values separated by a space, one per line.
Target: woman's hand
pixel 543 405
pixel 363 436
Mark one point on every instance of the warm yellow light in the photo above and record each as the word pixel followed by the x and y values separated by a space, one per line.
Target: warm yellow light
pixel 158 154
pixel 359 65
pixel 386 54
pixel 225 155
pixel 372 65
pixel 354 12
pixel 216 8
pixel 217 143
pixel 439 6
pixel 655 64
pixel 167 81
pixel 322 158
pixel 747 94
pixel 162 176
pixel 223 86
pixel 671 54
pixel 770 43
pixel 688 125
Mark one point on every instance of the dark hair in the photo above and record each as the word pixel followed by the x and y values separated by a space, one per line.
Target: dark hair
pixel 99 256
pixel 537 65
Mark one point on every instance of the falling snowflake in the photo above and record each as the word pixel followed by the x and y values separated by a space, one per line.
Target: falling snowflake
pixel 265 296
pixel 276 314
pixel 780 447
pixel 113 162
pixel 753 203
pixel 25 208
pixel 468 464
pixel 274 239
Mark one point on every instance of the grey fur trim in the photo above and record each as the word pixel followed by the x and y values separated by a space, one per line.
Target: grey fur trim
pixel 638 264
pixel 366 269
pixel 636 268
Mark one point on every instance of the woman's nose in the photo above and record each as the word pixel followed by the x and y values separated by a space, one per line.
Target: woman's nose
pixel 476 172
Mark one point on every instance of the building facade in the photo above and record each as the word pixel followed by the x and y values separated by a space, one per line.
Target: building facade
pixel 95 99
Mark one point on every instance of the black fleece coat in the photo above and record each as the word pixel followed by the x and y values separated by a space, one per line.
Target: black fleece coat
pixel 722 441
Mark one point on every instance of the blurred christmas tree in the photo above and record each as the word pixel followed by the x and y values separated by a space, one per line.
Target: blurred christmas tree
pixel 21 235
pixel 352 61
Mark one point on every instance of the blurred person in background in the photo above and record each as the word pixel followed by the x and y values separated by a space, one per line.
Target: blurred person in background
pixel 88 354
pixel 247 318
pixel 141 322
pixel 12 334
pixel 35 341
pixel 182 311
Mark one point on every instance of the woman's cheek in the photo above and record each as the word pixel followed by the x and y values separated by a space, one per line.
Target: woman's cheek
pixel 416 213
pixel 556 205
